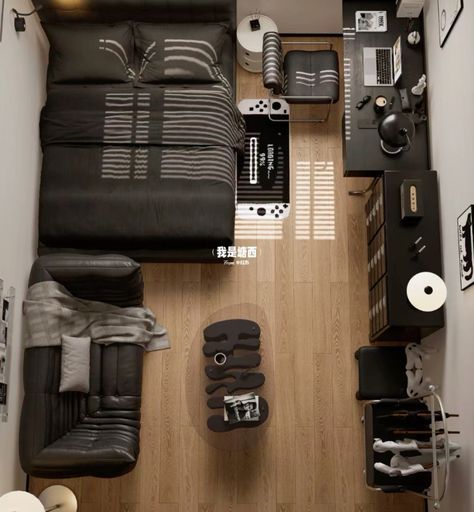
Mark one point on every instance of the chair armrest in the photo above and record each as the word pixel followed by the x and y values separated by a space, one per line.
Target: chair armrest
pixel 112 278
pixel 272 62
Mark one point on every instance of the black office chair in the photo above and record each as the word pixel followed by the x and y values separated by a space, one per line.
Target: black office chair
pixel 300 76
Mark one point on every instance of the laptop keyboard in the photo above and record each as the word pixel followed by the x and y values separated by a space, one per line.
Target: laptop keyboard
pixel 383 58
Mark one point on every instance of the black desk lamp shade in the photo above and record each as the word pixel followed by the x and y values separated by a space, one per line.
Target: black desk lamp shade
pixel 396 132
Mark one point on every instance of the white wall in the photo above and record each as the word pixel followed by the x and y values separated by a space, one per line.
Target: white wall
pixel 22 80
pixel 451 106
pixel 297 16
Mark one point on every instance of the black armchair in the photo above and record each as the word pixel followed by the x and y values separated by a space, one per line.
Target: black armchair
pixel 66 435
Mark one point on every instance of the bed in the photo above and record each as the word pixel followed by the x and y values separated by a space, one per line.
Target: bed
pixel 140 131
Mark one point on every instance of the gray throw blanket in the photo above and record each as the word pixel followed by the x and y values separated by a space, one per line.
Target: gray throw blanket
pixel 51 311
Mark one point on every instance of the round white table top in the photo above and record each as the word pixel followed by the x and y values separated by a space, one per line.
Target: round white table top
pixel 253 40
pixel 20 501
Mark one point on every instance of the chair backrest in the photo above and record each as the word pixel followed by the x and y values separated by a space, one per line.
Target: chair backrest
pixel 272 66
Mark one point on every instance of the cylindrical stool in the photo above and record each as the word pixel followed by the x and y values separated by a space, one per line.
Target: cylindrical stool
pixel 20 501
pixel 250 43
pixel 59 498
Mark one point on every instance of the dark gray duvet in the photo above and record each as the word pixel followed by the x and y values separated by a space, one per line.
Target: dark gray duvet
pixel 131 168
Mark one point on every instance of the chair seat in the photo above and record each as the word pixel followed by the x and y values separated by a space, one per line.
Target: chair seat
pixel 381 372
pixel 312 75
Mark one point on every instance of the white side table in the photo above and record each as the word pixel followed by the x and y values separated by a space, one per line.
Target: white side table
pixel 20 501
pixel 250 43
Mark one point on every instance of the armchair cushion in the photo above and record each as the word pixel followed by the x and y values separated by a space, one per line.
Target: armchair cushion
pixel 312 75
pixel 272 63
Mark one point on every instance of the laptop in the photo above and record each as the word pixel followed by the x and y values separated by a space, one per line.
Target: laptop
pixel 383 66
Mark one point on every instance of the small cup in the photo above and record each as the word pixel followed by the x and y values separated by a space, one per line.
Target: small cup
pixel 380 103
pixel 220 359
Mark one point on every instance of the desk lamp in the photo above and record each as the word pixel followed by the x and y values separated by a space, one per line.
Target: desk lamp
pixel 396 132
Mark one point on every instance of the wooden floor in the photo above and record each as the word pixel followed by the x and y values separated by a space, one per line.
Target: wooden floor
pixel 310 297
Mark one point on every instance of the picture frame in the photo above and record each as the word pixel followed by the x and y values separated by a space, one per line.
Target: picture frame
pixel 448 13
pixel 465 236
pixel 2 9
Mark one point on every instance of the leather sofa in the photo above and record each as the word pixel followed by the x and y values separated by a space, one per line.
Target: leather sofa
pixel 66 435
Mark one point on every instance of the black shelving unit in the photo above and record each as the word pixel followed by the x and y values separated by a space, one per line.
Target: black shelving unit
pixel 393 257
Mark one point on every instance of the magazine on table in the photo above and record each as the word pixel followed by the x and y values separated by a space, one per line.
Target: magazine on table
pixel 241 408
pixel 371 21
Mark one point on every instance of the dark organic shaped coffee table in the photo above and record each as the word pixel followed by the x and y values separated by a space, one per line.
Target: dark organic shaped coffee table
pixel 232 370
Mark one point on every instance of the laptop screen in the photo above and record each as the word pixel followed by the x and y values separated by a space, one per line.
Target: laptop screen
pixel 397 59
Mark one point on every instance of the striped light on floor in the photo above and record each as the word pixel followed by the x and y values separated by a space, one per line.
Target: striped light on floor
pixel 261 229
pixel 324 214
pixel 303 201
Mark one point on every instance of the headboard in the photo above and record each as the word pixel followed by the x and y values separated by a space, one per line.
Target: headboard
pixel 154 11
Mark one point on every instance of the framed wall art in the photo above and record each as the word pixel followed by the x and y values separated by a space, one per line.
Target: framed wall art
pixel 448 12
pixel 466 247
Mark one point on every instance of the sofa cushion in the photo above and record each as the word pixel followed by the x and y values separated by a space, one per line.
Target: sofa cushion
pixel 75 364
pixel 312 75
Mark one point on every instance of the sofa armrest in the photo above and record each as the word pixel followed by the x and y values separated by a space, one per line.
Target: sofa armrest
pixel 114 279
pixel 272 62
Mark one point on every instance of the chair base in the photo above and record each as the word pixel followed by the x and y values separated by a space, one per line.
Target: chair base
pixel 272 98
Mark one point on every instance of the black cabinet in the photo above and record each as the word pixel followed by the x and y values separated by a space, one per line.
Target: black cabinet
pixel 397 250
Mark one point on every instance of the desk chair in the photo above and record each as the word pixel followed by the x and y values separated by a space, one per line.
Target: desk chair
pixel 300 76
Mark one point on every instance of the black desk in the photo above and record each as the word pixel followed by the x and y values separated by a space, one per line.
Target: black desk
pixel 362 153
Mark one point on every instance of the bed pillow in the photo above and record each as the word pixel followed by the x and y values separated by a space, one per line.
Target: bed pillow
pixel 75 364
pixel 179 52
pixel 90 53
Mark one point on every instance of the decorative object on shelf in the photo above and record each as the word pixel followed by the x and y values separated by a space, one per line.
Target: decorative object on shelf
pixel 238 411
pixel 420 87
pixel 448 13
pixel 19 21
pixel 7 305
pixel 414 38
pixel 396 132
pixel 426 292
pixel 466 247
pixel 20 501
pixel 59 498
pixel 250 34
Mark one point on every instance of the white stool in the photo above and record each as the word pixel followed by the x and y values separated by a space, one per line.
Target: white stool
pixel 250 43
pixel 54 498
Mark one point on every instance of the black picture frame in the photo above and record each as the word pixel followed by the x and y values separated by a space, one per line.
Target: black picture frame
pixel 465 238
pixel 444 34
pixel 2 9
